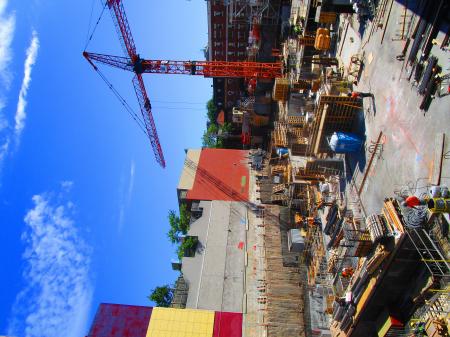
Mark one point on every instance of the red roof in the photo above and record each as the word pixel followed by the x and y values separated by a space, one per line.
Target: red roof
pixel 222 174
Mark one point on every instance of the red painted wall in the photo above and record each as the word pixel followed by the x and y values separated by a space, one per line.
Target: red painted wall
pixel 118 320
pixel 220 174
pixel 227 324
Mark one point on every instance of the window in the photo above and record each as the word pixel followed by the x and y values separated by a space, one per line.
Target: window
pixel 217 44
pixel 241 53
pixel 231 53
pixel 231 44
pixel 218 13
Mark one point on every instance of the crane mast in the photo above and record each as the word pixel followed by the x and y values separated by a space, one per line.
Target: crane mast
pixel 133 63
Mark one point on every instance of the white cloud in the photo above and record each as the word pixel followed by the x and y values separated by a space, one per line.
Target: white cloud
pixel 126 199
pixel 57 295
pixel 21 115
pixel 131 181
pixel 7 28
pixel 4 148
pixel 66 185
pixel 3 122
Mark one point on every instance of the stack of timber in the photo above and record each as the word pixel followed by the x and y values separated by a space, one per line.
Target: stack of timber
pixel 375 226
pixel 279 135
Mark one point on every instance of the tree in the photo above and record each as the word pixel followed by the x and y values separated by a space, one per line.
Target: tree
pixel 213 137
pixel 209 138
pixel 188 244
pixel 179 225
pixel 162 296
pixel 185 217
pixel 211 111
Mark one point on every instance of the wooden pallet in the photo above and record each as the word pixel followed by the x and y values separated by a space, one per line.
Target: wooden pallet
pixel 327 17
pixel 296 120
pixel 278 188
pixel 279 197
pixel 280 89
pixel 307 40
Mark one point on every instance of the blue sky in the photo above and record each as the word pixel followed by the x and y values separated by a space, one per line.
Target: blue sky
pixel 83 203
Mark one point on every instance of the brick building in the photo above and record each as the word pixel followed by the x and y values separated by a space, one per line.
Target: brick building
pixel 226 42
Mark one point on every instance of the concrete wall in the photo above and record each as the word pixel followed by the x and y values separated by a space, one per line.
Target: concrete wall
pixel 216 273
pixel 187 177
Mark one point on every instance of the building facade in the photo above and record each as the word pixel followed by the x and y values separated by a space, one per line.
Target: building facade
pixel 118 320
pixel 226 42
pixel 215 273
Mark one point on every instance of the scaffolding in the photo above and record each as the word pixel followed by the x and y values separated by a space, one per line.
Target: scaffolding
pixel 245 11
pixel 430 254
pixel 282 290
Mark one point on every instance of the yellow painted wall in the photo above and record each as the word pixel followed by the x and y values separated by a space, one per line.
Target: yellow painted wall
pixel 171 322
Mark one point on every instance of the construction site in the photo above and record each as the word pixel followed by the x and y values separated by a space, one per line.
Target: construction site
pixel 325 209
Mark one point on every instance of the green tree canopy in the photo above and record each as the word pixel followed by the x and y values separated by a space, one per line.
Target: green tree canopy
pixel 211 111
pixel 209 138
pixel 214 135
pixel 162 296
pixel 187 244
pixel 179 225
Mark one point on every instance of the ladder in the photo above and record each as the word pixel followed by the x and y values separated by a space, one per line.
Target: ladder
pixel 429 253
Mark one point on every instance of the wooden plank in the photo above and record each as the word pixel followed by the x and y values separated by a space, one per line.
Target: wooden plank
pixel 439 142
pixel 367 169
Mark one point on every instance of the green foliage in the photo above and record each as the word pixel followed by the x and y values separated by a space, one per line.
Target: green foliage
pixel 184 219
pixel 226 127
pixel 211 111
pixel 162 296
pixel 209 138
pixel 214 135
pixel 188 243
pixel 179 225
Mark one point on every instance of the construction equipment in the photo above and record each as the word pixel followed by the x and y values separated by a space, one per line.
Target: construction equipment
pixel 133 63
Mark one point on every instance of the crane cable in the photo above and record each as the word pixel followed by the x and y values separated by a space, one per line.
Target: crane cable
pixel 125 104
pixel 89 37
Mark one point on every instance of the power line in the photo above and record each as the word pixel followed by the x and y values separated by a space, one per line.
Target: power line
pixel 177 108
pixel 125 104
pixel 179 102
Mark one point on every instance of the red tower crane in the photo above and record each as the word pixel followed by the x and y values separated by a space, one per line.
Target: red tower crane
pixel 132 62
